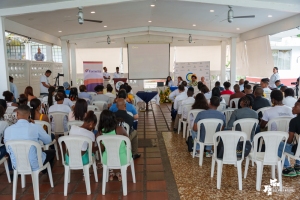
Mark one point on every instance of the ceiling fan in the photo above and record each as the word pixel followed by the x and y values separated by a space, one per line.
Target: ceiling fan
pixel 231 16
pixel 81 19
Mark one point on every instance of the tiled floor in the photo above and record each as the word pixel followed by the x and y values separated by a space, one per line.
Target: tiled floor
pixel 165 170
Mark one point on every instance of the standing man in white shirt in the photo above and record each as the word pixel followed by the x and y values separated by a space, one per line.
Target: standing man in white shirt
pixel 13 88
pixel 117 73
pixel 275 76
pixel 106 76
pixel 39 56
pixel 44 85
pixel 182 95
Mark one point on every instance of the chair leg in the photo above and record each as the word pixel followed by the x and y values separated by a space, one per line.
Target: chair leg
pixel 133 171
pixel 219 174
pixel 69 177
pixel 246 167
pixel 104 179
pixel 56 151
pixel 124 180
pixel 87 179
pixel 239 168
pixel 259 172
pixel 273 171
pixel 260 144
pixel 184 129
pixel 194 148
pixel 50 174
pixel 15 180
pixel 201 154
pixel 66 181
pixel 213 163
pixel 279 171
pixel 35 183
pixel 95 171
pixel 179 127
pixel 23 181
pixel 7 171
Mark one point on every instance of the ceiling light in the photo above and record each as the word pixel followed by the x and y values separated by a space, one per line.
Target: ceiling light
pixel 211 11
pixel 93 12
pixel 270 16
pixel 59 31
pixel 152 5
pixel 104 26
pixel 194 24
pixel 237 28
pixel 149 21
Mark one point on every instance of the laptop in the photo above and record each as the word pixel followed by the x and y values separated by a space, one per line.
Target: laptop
pixel 160 84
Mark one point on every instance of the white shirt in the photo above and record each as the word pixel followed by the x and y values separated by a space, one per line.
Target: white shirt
pixel 180 97
pixel 187 101
pixel 109 94
pixel 44 79
pixel 289 101
pixel 208 95
pixel 275 112
pixel 175 93
pixel 106 75
pixel 3 126
pixel 117 75
pixel 76 130
pixel 274 78
pixel 67 102
pixel 170 83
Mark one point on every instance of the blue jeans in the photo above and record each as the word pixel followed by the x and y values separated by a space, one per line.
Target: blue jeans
pixel 288 149
pixel 202 138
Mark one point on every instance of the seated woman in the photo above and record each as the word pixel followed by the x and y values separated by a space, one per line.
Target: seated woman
pixel 9 98
pixel 179 78
pixel 29 93
pixel 79 111
pixel 23 99
pixel 130 97
pixel 215 92
pixel 35 107
pixel 108 125
pixel 193 82
pixel 169 82
pixel 66 100
pixel 89 123
pixel 73 96
pixel 206 92
pixel 49 100
pixel 200 103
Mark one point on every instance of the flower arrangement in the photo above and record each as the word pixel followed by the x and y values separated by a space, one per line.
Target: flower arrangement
pixel 164 96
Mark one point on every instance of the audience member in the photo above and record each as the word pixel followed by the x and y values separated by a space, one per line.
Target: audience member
pixel 79 111
pixel 227 88
pixel 203 80
pixel 67 86
pixel 279 110
pixel 246 82
pixel 194 82
pixel 109 90
pixel 278 84
pixel 49 100
pixel 237 94
pixel 289 99
pixel 188 101
pixel 100 96
pixel 35 107
pixel 283 88
pixel 218 84
pixel 108 125
pixel 249 93
pixel 122 116
pixel 215 92
pixel 29 93
pixel 73 95
pixel 199 85
pixel 204 90
pixel 23 100
pixel 294 128
pixel 24 130
pixel 259 101
pixel 179 80
pixel 13 88
pixel 179 98
pixel 83 93
pixel 3 126
pixel 66 101
pixel 130 97
pixel 264 83
pixel 175 93
pixel 241 84
pixel 211 113
pixel 9 98
pixel 169 82
pixel 275 76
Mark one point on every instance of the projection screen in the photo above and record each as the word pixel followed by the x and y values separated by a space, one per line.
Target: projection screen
pixel 148 61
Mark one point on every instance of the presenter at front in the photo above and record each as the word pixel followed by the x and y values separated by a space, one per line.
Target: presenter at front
pixel 117 73
pixel 45 84
pixel 106 76
pixel 275 76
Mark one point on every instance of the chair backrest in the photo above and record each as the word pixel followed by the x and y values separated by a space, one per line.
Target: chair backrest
pixel 226 97
pixel 230 140
pixel 186 109
pixel 73 147
pixel 296 137
pixel 227 114
pixel 102 105
pixel 58 119
pixel 235 101
pixel 92 93
pixel 87 100
pixel 42 123
pixel 98 118
pixel 75 122
pixel 221 107
pixel 262 110
pixel 279 124
pixel 10 109
pixel 20 150
pixel 192 115
pixel 210 126
pixel 112 100
pixel 93 108
pixel 272 140
pixel 112 145
pixel 247 125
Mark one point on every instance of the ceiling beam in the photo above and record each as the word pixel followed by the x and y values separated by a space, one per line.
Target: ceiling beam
pixel 68 4
pixel 280 6
pixel 273 28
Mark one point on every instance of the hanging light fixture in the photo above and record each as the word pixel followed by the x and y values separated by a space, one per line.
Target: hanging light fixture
pixel 108 40
pixel 190 38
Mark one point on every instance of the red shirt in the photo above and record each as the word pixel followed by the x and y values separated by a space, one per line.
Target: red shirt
pixel 227 92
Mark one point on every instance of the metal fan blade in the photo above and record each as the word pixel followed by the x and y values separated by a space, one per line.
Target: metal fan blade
pixel 248 16
pixel 91 20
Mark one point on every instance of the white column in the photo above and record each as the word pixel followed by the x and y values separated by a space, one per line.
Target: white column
pixel 233 61
pixel 73 65
pixel 65 60
pixel 223 62
pixel 121 59
pixel 49 53
pixel 28 51
pixel 3 58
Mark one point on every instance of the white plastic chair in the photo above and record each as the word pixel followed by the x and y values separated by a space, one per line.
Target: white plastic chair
pixel 46 146
pixel 235 101
pixel 93 108
pixel 75 122
pixel 98 118
pixel 92 93
pixel 262 110
pixel 221 107
pixel 4 159
pixel 58 120
pixel 191 115
pixel 112 145
pixel 227 114
pixel 269 157
pixel 226 97
pixel 112 99
pixel 185 108
pixel 20 150
pixel 73 147
pixel 102 105
pixel 10 109
pixel 247 125
pixel 230 140
pixel 210 126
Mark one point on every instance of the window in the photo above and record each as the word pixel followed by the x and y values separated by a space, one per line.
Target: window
pixel 16 52
pixel 56 54
pixel 34 50
pixel 282 59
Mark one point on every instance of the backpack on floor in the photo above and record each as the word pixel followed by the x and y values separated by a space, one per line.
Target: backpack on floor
pixel 190 143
